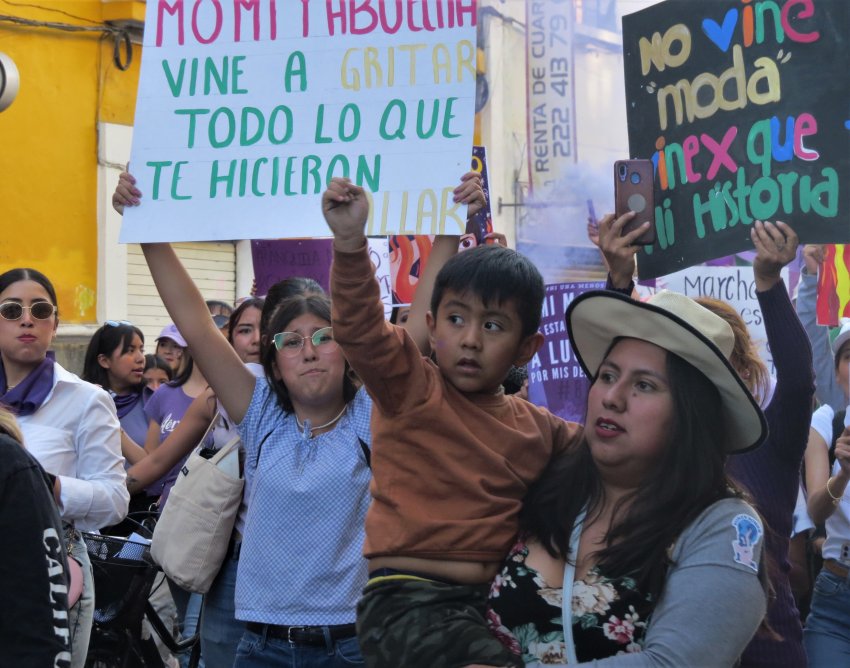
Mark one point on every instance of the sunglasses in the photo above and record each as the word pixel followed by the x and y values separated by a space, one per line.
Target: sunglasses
pixel 290 343
pixel 118 323
pixel 15 311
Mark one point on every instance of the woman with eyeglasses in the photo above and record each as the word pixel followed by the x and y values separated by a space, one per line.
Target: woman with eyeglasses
pixel 70 426
pixel 305 431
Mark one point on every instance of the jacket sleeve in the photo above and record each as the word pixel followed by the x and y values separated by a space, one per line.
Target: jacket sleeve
pixel 827 389
pixel 98 495
pixel 383 356
pixel 713 601
pixel 789 411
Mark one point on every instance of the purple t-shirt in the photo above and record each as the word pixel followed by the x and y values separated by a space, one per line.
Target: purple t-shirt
pixel 166 407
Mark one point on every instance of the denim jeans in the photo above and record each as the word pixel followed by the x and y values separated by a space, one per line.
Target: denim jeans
pixel 80 616
pixel 827 632
pixel 188 612
pixel 220 630
pixel 259 651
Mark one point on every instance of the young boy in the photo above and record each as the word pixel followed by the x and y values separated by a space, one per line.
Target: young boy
pixel 453 456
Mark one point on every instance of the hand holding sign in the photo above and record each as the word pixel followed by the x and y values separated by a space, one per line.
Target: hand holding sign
pixel 126 193
pixel 776 245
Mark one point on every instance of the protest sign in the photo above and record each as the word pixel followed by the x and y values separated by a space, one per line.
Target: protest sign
pixel 247 109
pixel 734 285
pixel 555 378
pixel 480 223
pixel 275 260
pixel 408 256
pixel 743 109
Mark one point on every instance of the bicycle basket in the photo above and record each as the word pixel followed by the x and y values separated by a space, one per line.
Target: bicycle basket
pixel 123 574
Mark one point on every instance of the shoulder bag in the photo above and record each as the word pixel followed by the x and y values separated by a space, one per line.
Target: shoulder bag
pixel 191 537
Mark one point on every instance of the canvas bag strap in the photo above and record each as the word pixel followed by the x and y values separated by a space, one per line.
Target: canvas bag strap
pixel 209 428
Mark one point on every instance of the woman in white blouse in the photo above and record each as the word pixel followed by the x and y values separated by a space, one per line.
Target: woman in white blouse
pixel 69 426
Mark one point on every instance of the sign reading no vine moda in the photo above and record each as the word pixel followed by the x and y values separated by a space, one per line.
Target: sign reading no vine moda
pixel 744 108
pixel 247 108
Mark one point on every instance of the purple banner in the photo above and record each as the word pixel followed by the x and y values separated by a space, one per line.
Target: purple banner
pixel 555 378
pixel 285 258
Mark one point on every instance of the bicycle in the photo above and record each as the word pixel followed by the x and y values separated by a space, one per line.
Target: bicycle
pixel 124 574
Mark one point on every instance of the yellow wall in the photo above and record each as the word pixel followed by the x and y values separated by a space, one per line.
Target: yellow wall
pixel 48 145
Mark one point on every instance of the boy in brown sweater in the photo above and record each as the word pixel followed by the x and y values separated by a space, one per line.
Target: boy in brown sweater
pixel 453 456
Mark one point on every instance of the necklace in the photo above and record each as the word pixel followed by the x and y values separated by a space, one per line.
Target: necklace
pixel 308 430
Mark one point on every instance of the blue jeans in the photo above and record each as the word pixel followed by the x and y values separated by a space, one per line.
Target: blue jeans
pixel 827 632
pixel 259 651
pixel 188 606
pixel 220 630
pixel 80 617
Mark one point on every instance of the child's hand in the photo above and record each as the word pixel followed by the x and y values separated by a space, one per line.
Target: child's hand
pixel 126 193
pixel 346 209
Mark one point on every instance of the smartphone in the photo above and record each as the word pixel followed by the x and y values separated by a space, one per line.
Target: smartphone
pixel 634 190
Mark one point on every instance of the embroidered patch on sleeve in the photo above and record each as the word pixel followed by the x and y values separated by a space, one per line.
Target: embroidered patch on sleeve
pixel 748 532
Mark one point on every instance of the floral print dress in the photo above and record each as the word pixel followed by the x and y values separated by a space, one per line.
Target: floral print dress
pixel 608 616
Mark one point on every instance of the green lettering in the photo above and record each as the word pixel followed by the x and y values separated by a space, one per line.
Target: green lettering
pixel 398 133
pixel 191 113
pixel 215 142
pixel 296 67
pixel 175 178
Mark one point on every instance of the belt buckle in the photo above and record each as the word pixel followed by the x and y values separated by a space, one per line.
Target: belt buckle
pixel 289 631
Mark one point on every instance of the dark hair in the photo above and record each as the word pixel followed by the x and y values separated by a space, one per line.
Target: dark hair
pixel 287 311
pixel 217 303
pixel 494 274
pixel 251 302
pixel 688 478
pixel 155 361
pixel 26 274
pixel 105 341
pixel 184 373
pixel 288 287
pixel 396 312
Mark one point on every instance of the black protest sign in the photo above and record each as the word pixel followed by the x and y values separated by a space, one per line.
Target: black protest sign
pixel 744 108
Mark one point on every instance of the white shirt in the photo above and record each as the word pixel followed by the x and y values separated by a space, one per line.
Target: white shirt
pixel 837 544
pixel 75 435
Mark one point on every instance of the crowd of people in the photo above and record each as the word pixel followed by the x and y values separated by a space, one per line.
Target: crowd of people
pixel 401 508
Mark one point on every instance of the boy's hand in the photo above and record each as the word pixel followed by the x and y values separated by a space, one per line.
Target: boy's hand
pixel 346 209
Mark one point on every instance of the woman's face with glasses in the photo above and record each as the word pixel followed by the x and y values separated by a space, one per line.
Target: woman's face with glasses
pixel 309 361
pixel 27 324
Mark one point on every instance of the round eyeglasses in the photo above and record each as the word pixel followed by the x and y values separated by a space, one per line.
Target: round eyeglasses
pixel 15 311
pixel 290 343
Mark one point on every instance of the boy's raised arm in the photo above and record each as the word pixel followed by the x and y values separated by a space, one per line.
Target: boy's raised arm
pixel 346 209
pixel 380 354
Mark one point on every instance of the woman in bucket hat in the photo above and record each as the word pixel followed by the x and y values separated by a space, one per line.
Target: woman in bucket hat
pixel 655 547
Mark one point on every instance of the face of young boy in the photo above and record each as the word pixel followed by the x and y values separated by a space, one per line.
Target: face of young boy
pixel 476 345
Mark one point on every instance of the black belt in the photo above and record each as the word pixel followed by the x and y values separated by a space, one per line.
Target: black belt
pixel 303 635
